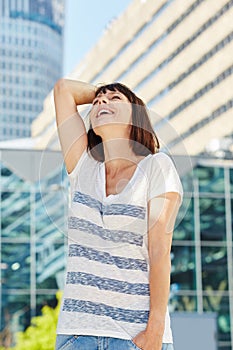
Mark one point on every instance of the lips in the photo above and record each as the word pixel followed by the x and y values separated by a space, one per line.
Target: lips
pixel 104 111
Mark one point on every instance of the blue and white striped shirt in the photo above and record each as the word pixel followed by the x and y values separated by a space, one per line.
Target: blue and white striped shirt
pixel 107 279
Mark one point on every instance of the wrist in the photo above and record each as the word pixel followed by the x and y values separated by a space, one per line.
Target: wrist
pixel 156 325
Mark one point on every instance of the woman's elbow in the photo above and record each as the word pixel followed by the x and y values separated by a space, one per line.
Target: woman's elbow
pixel 60 85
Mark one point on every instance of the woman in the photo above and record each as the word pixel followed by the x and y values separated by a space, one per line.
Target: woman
pixel 125 196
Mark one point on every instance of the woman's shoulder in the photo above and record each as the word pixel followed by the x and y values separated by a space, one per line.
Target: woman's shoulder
pixel 161 158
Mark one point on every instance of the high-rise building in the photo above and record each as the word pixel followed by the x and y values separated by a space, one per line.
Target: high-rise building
pixel 31 45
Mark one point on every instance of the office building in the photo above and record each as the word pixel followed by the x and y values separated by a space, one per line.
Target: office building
pixel 31 44
pixel 177 56
pixel 33 208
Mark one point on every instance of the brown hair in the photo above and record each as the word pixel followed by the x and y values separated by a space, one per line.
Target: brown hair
pixel 142 133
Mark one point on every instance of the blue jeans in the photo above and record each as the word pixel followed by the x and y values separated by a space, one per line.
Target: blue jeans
pixel 84 342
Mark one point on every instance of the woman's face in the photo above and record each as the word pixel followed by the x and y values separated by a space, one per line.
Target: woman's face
pixel 111 107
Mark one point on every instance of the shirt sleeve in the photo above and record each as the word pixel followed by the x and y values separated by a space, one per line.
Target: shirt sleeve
pixel 79 170
pixel 163 177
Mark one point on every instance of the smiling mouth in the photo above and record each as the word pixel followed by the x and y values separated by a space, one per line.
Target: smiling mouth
pixel 104 112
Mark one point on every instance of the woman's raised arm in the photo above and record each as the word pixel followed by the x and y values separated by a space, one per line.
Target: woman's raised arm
pixel 68 94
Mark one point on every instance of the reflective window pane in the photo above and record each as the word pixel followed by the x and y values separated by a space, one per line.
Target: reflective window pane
pixel 11 182
pixel 214 268
pixel 183 268
pixel 184 228
pixel 50 262
pixel 211 179
pixel 187 182
pixel 15 307
pixel 232 217
pixel 16 266
pixel 15 214
pixel 231 180
pixel 183 303
pixel 212 219
pixel 51 214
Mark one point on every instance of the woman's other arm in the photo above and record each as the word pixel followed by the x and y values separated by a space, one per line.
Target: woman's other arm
pixel 162 215
pixel 68 94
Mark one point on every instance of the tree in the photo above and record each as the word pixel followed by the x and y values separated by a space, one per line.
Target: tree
pixel 41 334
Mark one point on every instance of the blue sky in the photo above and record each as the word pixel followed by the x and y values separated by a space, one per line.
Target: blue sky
pixel 84 24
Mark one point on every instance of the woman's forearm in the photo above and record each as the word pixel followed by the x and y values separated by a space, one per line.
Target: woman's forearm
pixel 159 293
pixel 82 92
pixel 152 336
pixel 162 214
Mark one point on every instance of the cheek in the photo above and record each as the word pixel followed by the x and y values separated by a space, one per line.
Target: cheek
pixel 127 115
pixel 124 112
pixel 92 115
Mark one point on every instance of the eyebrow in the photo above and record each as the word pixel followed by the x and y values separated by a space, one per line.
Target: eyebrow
pixel 110 92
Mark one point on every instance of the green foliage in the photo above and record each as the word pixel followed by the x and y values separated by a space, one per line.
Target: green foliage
pixel 41 334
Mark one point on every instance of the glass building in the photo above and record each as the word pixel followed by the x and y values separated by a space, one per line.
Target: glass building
pixel 31 44
pixel 33 240
pixel 202 274
pixel 32 210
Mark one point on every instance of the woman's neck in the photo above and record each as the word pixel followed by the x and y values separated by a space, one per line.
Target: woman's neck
pixel 118 155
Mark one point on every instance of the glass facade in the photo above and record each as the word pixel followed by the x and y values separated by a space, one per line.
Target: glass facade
pixel 202 262
pixel 33 244
pixel 32 247
pixel 31 42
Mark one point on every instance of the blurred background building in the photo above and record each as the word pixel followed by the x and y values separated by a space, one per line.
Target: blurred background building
pixel 33 209
pixel 31 51
pixel 177 56
pixel 31 60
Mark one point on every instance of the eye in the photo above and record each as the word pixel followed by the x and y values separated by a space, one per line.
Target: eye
pixel 116 97
pixel 94 102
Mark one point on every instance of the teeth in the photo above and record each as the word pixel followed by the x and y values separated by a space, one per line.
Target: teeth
pixel 103 111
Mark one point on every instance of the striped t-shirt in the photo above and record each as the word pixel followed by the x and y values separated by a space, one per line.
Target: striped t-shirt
pixel 107 279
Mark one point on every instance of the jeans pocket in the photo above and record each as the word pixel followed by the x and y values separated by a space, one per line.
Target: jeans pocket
pixel 63 341
pixel 134 345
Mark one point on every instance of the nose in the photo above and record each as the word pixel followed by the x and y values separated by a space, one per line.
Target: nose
pixel 102 99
